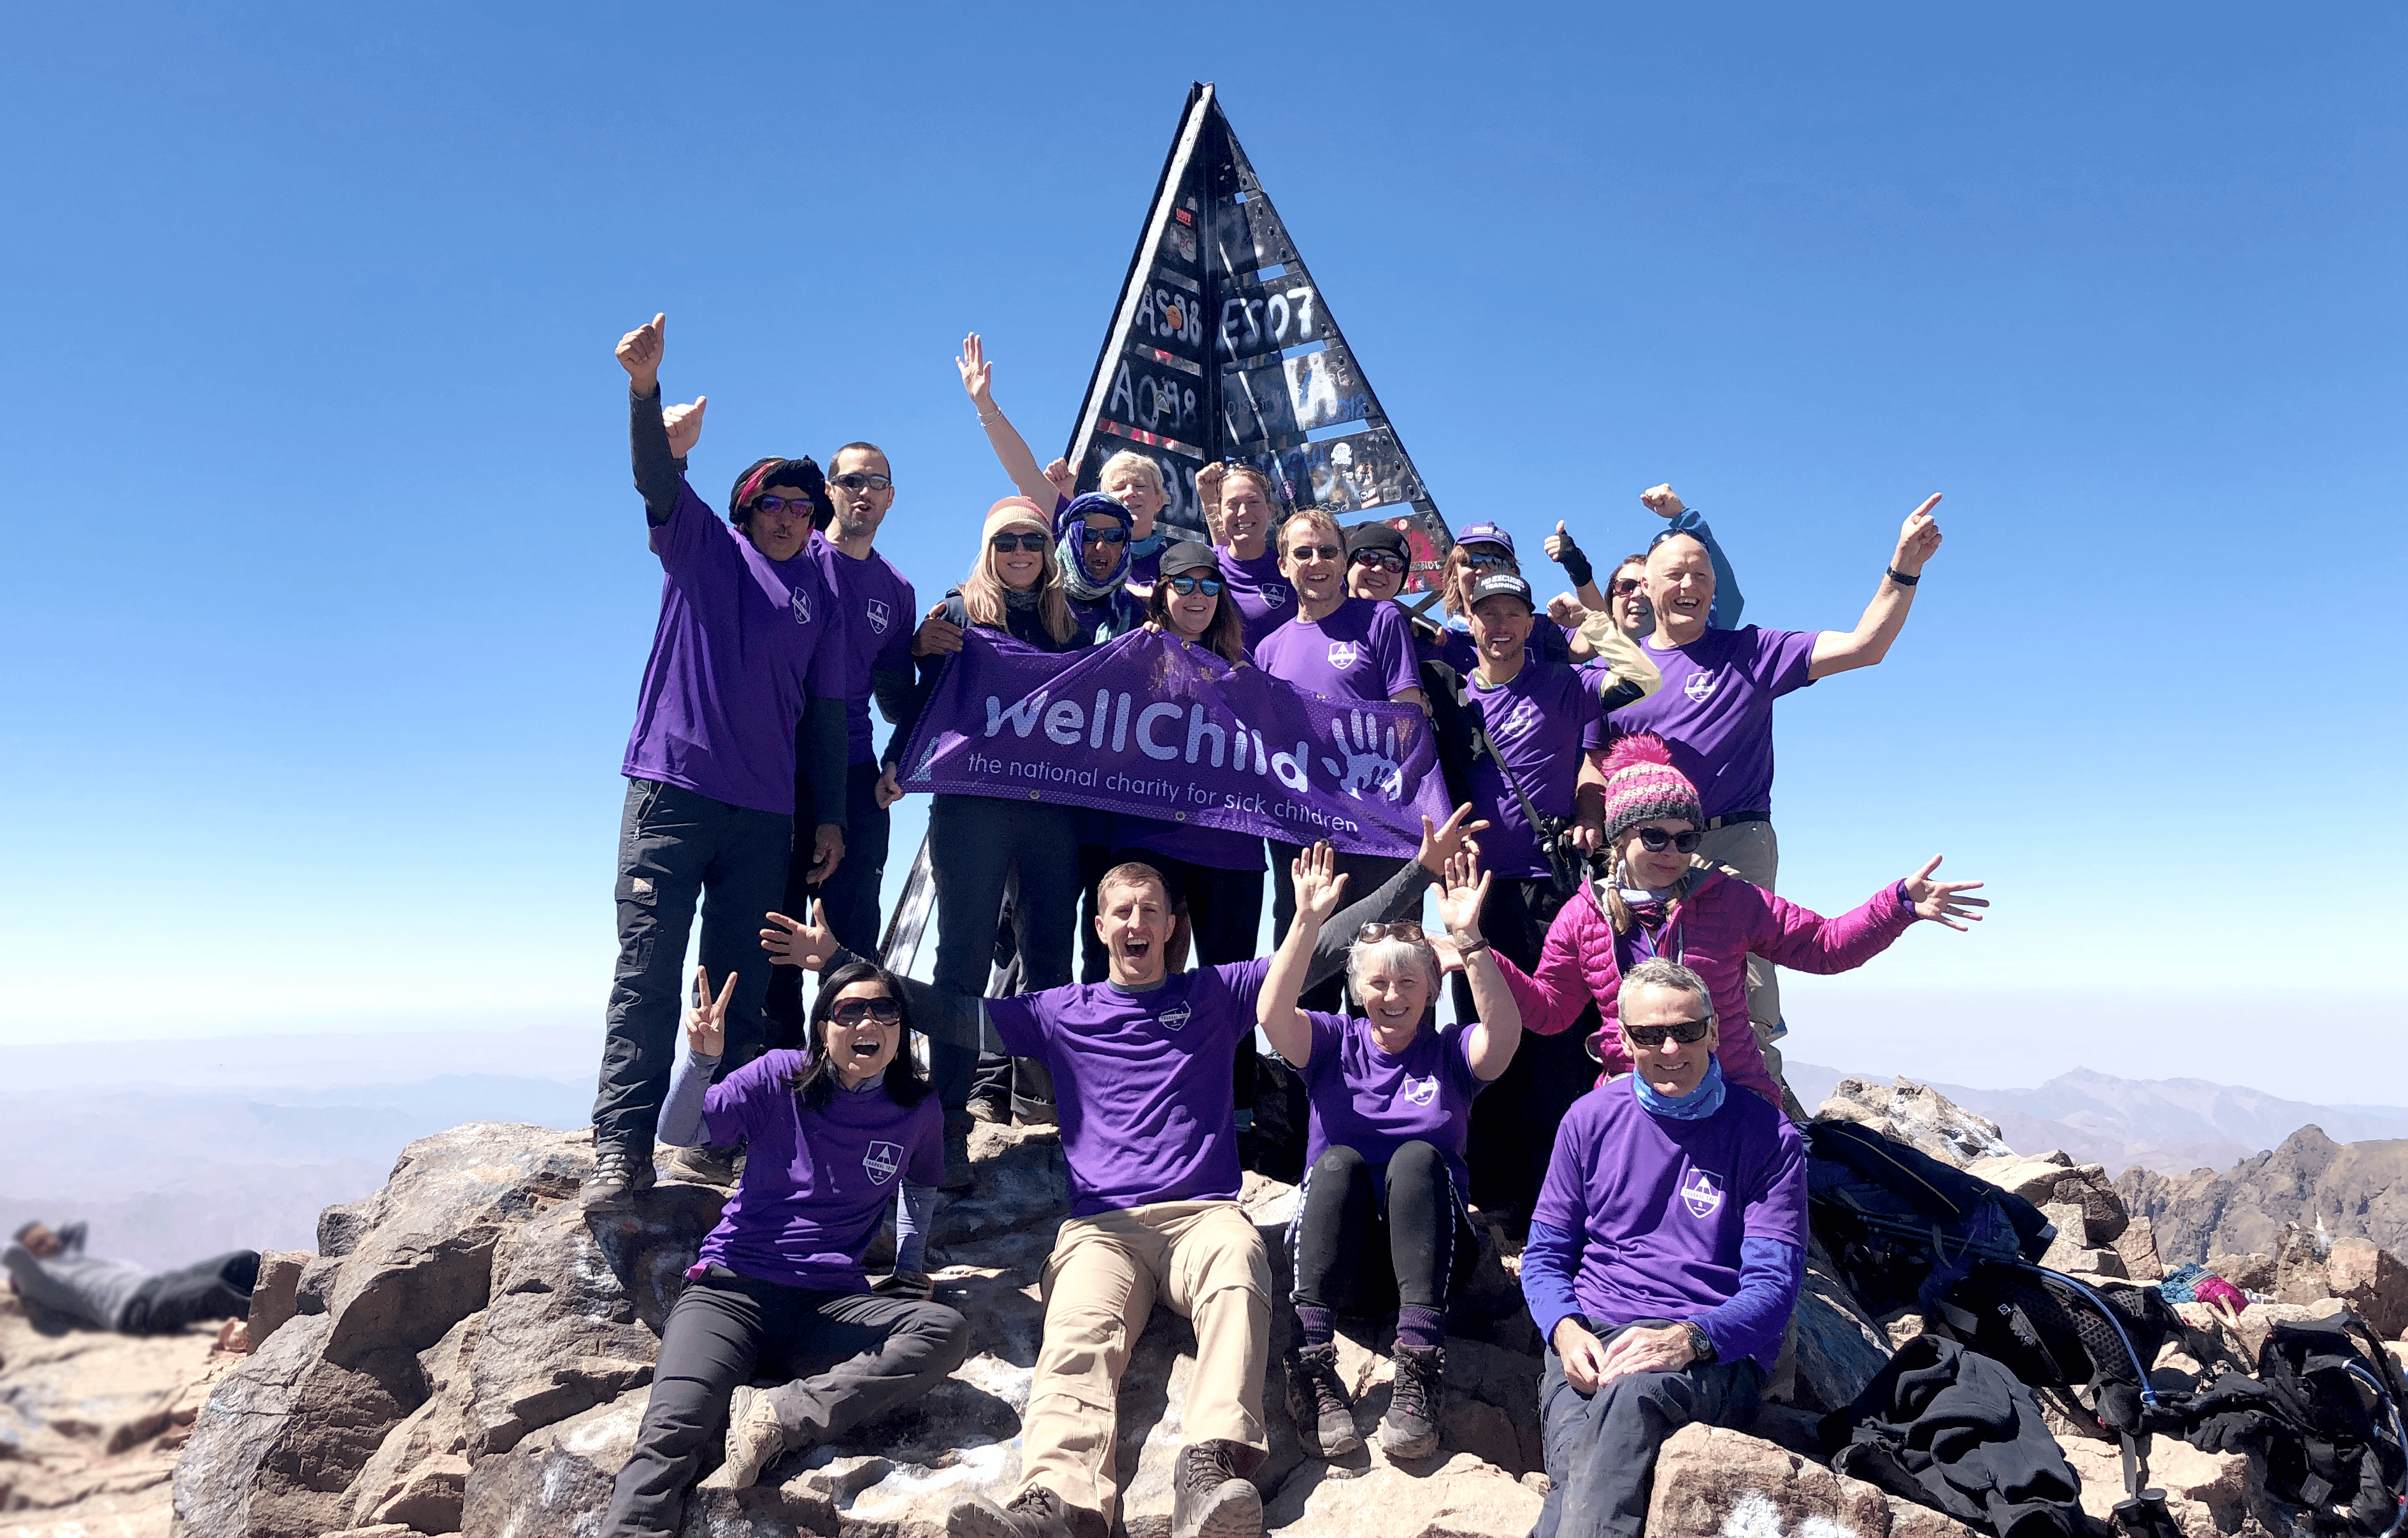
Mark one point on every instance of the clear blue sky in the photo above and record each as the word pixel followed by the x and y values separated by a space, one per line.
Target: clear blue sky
pixel 326 592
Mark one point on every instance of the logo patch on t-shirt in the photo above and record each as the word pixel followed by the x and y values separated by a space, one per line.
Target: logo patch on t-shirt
pixel 802 605
pixel 1701 1195
pixel 878 614
pixel 1700 686
pixel 1524 715
pixel 1275 594
pixel 1343 654
pixel 1176 1017
pixel 883 1161
pixel 1420 1091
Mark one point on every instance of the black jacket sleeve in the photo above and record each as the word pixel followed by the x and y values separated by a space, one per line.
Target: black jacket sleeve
pixel 821 749
pixel 660 475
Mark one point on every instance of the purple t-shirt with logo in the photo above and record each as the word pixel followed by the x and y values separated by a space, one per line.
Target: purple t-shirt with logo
pixel 1266 598
pixel 817 1184
pixel 731 659
pixel 1362 649
pixel 876 613
pixel 1368 1100
pixel 1142 1081
pixel 1660 1206
pixel 1715 709
pixel 1541 720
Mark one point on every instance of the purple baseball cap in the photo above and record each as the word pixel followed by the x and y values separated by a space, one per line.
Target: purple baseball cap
pixel 1485 534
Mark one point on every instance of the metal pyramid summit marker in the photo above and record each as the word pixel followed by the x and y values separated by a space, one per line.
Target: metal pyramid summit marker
pixel 1222 348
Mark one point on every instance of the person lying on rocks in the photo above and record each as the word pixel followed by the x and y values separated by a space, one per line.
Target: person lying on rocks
pixel 1664 1258
pixel 1141 1068
pixel 1654 896
pixel 1384 1206
pixel 779 1287
pixel 48 1266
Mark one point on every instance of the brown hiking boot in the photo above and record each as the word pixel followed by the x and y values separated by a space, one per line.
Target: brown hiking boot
pixel 1210 1497
pixel 1409 1428
pixel 1036 1512
pixel 1317 1402
pixel 755 1440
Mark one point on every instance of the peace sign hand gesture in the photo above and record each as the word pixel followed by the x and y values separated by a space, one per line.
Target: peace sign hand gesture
pixel 1939 900
pixel 706 1019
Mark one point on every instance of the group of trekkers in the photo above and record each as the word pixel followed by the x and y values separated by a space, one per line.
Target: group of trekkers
pixel 1609 1083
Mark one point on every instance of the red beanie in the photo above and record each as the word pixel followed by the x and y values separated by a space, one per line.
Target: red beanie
pixel 1642 785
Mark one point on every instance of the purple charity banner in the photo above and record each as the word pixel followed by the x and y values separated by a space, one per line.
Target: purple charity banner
pixel 1153 726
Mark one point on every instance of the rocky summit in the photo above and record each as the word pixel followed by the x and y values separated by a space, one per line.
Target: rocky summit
pixel 469 1353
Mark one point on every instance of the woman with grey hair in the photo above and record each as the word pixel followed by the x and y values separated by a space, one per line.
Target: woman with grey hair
pixel 1384 1210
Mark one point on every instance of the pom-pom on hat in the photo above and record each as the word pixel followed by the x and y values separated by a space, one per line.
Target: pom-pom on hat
pixel 1642 784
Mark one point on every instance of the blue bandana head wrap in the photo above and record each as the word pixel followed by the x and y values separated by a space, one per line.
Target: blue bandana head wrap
pixel 1070 544
pixel 1698 1104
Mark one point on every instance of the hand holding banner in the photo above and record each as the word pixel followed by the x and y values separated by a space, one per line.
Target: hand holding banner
pixel 1153 726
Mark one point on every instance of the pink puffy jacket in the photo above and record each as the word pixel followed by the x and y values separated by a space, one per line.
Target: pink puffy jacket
pixel 1711 928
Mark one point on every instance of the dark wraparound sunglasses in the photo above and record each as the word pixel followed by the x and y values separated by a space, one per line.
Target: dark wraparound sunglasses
pixel 857 480
pixel 1006 544
pixel 1183 585
pixel 884 1011
pixel 1684 1032
pixel 1385 560
pixel 1657 840
pixel 1314 552
pixel 1107 533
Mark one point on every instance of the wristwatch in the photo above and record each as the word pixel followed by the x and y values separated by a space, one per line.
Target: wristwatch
pixel 1701 1346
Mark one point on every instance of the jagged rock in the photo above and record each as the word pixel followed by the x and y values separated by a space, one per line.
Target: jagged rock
pixel 2188 1481
pixel 2358 1189
pixel 272 1295
pixel 2138 1247
pixel 1461 1498
pixel 437 1429
pixel 1715 1483
pixel 1834 1346
pixel 2073 1227
pixel 1919 1114
pixel 2033 1179
pixel 430 1495
pixel 2103 1209
pixel 2253 1272
pixel 2373 1282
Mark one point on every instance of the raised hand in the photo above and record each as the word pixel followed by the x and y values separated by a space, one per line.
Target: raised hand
pixel 1064 479
pixel 1368 761
pixel 978 374
pixel 1443 843
pixel 685 424
pixel 937 635
pixel 1937 900
pixel 790 941
pixel 1660 501
pixel 640 353
pixel 1207 483
pixel 1918 538
pixel 1318 883
pixel 706 1019
pixel 1465 889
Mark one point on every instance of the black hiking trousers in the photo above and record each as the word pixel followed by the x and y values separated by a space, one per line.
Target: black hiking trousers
pixel 215 1288
pixel 1601 1447
pixel 1367 1237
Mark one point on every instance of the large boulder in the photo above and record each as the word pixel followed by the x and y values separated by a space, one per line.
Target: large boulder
pixel 1919 1114
pixel 1716 1483
pixel 2373 1282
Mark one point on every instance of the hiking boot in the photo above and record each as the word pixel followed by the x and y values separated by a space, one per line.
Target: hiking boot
pixel 618 1175
pixel 1409 1428
pixel 1036 1512
pixel 958 1174
pixel 1317 1402
pixel 704 1166
pixel 1211 1499
pixel 754 1439
pixel 992 1109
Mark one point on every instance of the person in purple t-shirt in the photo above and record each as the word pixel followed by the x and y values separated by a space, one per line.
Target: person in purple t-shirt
pixel 1382 1209
pixel 1664 1258
pixel 1714 710
pixel 778 1284
pixel 1238 504
pixel 1337 646
pixel 1140 1064
pixel 710 764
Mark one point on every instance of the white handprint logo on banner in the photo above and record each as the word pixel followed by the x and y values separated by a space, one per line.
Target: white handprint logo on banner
pixel 1366 759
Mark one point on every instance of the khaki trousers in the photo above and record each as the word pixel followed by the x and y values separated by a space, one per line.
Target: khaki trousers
pixel 1754 850
pixel 1208 1263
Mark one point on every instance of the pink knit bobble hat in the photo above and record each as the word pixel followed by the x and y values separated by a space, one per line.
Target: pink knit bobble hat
pixel 1642 785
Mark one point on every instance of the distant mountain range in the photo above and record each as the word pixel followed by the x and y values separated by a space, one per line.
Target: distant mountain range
pixel 2173 1125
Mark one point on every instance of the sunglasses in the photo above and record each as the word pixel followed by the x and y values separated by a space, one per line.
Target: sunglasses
pixel 1685 1032
pixel 1209 586
pixel 1625 586
pixel 1314 552
pixel 1404 929
pixel 1489 563
pixel 857 480
pixel 887 1011
pixel 1388 560
pixel 1006 544
pixel 799 507
pixel 1107 533
pixel 1657 840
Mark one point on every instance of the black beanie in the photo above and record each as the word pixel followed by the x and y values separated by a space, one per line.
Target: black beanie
pixel 762 474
